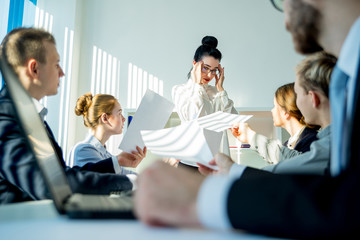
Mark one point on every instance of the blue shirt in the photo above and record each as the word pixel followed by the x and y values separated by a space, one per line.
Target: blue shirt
pixel 91 151
pixel 347 63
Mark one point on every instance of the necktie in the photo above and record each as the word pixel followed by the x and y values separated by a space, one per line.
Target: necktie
pixel 43 113
pixel 338 99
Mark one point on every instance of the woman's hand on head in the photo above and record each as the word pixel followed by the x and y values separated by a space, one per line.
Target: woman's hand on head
pixel 220 79
pixel 132 159
pixel 196 72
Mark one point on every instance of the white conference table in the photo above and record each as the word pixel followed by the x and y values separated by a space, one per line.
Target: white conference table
pixel 40 220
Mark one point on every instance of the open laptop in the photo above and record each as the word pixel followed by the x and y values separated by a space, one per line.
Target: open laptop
pixel 66 202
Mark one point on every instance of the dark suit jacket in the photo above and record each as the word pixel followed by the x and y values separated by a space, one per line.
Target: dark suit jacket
pixel 305 139
pixel 20 176
pixel 301 206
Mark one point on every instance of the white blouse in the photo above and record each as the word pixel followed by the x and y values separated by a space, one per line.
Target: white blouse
pixel 294 139
pixel 193 100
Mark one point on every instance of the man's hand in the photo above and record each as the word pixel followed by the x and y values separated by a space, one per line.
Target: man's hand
pixel 166 196
pixel 206 171
pixel 223 161
pixel 171 161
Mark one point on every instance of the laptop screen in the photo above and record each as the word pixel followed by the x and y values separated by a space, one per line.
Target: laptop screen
pixel 37 137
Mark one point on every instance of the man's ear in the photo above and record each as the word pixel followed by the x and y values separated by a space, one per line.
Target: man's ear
pixel 33 68
pixel 194 62
pixel 315 99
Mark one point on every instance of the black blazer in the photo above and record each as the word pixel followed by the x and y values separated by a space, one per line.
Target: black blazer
pixel 20 176
pixel 301 206
pixel 305 139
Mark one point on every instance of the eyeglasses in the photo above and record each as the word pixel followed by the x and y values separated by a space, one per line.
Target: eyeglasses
pixel 208 70
pixel 278 4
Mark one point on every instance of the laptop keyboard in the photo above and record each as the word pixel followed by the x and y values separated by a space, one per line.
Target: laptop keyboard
pixel 99 202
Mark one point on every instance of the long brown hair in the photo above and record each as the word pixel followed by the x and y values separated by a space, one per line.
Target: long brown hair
pixel 286 98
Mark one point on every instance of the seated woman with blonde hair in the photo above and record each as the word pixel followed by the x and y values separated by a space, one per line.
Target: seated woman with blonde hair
pixel 102 113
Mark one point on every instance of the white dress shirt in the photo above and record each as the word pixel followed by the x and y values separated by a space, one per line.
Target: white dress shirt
pixel 40 109
pixel 294 139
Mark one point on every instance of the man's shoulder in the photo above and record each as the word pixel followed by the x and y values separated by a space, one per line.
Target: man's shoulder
pixel 6 104
pixel 309 135
pixel 310 131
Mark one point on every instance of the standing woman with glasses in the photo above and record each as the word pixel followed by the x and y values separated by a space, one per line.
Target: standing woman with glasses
pixel 197 98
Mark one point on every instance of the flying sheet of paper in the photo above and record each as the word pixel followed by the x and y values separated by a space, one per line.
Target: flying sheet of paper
pixel 220 121
pixel 153 113
pixel 188 142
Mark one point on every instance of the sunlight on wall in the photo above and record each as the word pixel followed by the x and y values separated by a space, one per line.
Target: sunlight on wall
pixel 43 19
pixel 65 88
pixel 138 82
pixel 105 73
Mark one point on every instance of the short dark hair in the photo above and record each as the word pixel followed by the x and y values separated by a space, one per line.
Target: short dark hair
pixel 22 44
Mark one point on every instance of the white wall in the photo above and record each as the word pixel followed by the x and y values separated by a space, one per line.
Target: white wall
pixel 161 36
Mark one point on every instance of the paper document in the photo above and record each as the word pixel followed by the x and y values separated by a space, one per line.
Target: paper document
pixel 153 113
pixel 188 142
pixel 220 121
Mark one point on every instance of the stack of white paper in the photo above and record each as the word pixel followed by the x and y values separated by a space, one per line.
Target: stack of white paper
pixel 220 121
pixel 153 113
pixel 192 142
pixel 188 142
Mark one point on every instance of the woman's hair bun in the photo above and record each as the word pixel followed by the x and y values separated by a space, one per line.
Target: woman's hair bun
pixel 83 104
pixel 210 41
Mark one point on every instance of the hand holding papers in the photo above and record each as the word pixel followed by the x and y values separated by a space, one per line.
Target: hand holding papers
pixel 192 142
pixel 153 113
